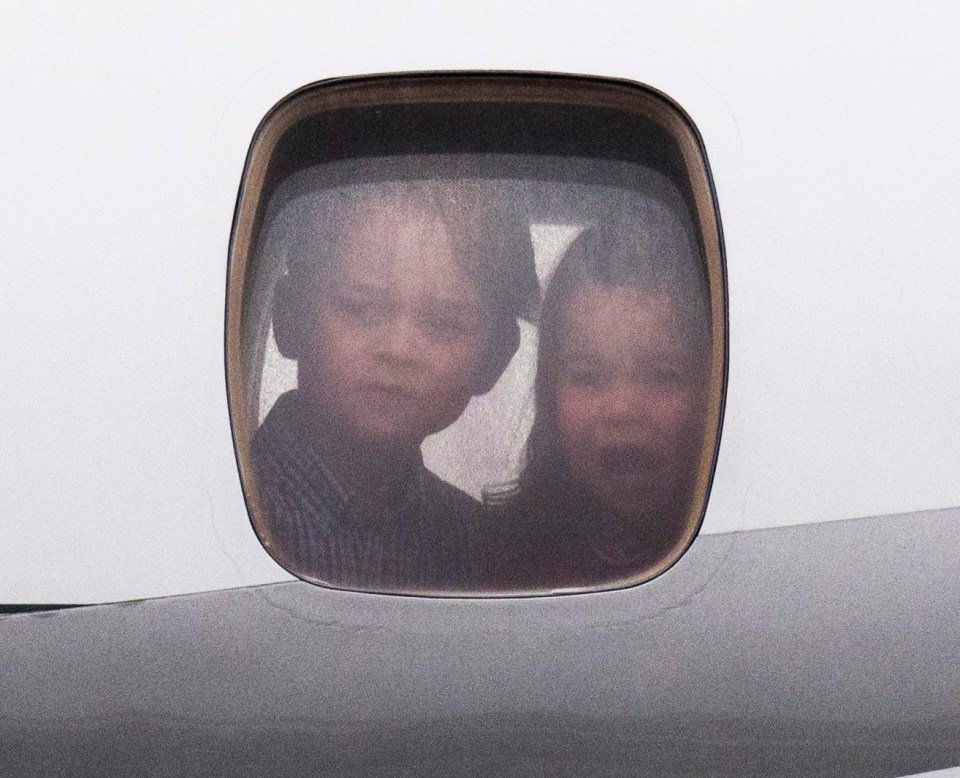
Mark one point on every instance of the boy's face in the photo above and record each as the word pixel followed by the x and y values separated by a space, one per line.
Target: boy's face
pixel 395 334
pixel 628 403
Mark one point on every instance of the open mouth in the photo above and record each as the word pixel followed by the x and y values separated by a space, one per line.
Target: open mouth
pixel 626 459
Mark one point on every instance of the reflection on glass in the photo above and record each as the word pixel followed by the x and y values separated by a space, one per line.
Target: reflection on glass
pixel 391 343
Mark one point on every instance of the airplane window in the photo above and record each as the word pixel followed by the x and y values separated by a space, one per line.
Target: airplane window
pixel 476 334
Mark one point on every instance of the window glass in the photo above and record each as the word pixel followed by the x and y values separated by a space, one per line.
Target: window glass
pixel 475 371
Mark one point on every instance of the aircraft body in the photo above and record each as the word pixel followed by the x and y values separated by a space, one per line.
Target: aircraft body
pixel 812 628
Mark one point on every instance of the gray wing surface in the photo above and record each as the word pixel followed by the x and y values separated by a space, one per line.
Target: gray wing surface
pixel 824 649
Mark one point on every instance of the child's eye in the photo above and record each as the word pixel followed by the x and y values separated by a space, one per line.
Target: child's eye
pixel 664 379
pixel 361 310
pixel 584 378
pixel 448 325
pixel 667 376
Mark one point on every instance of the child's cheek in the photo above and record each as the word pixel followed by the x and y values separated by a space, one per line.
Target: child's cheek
pixel 459 359
pixel 677 419
pixel 577 412
pixel 674 409
pixel 355 343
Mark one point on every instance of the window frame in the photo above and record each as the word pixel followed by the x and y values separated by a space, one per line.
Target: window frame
pixel 477 89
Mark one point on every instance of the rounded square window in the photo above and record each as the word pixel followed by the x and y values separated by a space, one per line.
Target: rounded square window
pixel 476 334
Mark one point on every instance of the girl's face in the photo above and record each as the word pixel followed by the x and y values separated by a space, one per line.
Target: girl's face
pixel 628 398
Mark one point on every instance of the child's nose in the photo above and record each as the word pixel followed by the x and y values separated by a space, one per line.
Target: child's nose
pixel 625 401
pixel 403 340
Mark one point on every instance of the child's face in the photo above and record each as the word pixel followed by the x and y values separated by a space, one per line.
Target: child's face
pixel 628 406
pixel 396 334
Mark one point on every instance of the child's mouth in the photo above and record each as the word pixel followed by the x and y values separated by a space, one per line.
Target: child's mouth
pixel 386 391
pixel 626 459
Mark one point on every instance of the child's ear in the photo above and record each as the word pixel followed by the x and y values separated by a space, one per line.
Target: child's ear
pixel 287 327
pixel 504 345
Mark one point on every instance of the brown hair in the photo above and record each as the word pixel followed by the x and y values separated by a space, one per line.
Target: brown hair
pixel 491 239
